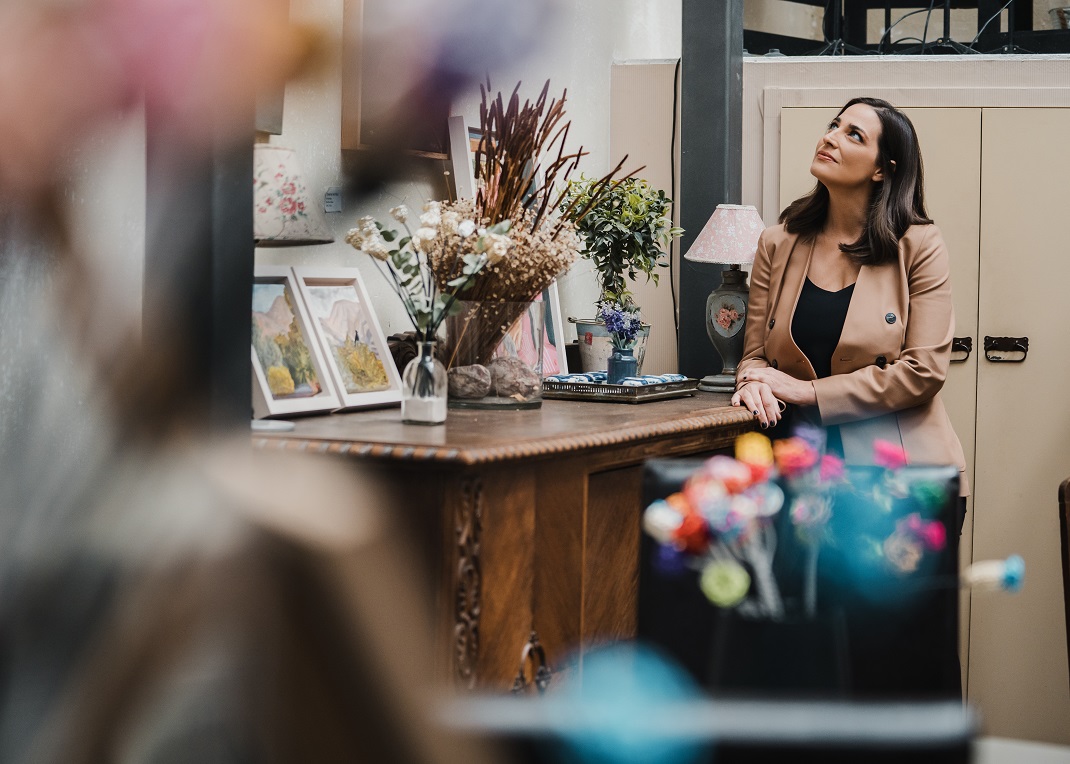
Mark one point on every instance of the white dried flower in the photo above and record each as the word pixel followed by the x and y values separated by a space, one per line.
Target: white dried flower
pixel 495 245
pixel 400 213
pixel 423 237
pixel 377 247
pixel 466 228
pixel 449 223
pixel 369 241
pixel 432 215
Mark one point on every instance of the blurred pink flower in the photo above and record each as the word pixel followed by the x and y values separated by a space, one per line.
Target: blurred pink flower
pixel 889 455
pixel 832 469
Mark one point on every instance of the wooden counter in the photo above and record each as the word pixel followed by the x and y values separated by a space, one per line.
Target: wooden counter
pixel 529 520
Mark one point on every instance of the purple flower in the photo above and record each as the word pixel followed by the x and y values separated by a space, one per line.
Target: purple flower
pixel 669 561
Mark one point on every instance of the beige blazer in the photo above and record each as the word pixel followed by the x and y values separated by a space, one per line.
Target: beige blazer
pixel 893 354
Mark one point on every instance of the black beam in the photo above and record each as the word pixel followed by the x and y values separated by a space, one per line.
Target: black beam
pixel 711 165
pixel 199 271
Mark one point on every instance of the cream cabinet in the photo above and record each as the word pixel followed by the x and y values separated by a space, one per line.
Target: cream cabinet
pixel 995 183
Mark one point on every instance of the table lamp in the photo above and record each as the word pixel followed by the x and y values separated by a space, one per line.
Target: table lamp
pixel 730 237
pixel 283 212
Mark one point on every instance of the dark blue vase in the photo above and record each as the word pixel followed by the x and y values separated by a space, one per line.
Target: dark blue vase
pixel 621 364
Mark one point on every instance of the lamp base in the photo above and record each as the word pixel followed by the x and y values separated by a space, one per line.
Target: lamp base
pixel 718 383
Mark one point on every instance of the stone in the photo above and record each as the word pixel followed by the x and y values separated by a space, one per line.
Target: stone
pixel 469 381
pixel 511 377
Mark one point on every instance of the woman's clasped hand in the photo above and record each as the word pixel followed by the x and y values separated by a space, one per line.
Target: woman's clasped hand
pixel 766 390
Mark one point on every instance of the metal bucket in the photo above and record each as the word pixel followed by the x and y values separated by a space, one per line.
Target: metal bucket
pixel 596 345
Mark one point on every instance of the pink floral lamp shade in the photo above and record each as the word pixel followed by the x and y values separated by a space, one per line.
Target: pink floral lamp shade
pixel 729 237
pixel 284 214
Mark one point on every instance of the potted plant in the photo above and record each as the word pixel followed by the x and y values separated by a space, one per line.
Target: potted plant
pixel 625 229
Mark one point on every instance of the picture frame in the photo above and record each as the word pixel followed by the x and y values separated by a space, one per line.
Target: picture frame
pixel 290 373
pixel 554 334
pixel 349 336
pixel 462 157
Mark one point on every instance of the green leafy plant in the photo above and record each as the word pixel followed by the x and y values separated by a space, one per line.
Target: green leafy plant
pixel 624 227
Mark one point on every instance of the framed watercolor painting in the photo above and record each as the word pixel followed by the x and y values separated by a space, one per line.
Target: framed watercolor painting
pixel 290 373
pixel 349 336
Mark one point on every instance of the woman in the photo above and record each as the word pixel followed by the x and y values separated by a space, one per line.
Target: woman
pixel 850 326
pixel 850 319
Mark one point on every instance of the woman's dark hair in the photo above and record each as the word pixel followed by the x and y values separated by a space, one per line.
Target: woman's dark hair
pixel 896 203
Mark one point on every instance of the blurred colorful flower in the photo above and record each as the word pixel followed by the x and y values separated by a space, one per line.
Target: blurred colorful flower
pixel 734 475
pixel 793 456
pixel 725 583
pixel 889 455
pixel 660 521
pixel 669 561
pixel 832 469
pixel 902 552
pixel 755 450
pixel 693 535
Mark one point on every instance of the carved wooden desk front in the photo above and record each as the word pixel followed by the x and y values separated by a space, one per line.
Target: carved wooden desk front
pixel 529 519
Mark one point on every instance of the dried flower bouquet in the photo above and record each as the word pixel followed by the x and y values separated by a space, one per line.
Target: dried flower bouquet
pixel 522 169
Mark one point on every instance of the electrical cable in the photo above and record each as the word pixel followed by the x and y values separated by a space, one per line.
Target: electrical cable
pixel 992 18
pixel 672 190
pixel 888 31
pixel 925 32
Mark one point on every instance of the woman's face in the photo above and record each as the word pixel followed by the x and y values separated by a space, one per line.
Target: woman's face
pixel 846 155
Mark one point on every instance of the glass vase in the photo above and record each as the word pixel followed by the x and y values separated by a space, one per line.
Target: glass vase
pixel 494 352
pixel 423 388
pixel 621 364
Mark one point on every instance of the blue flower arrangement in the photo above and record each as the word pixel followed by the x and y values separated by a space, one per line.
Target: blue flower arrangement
pixel 622 321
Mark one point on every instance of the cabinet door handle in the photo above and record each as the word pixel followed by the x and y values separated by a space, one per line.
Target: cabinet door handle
pixel 961 345
pixel 997 347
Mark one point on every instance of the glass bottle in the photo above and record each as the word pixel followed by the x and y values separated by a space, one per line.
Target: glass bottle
pixel 423 388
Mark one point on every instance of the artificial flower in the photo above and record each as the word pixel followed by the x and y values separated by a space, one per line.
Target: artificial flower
pixel 660 521
pixel 725 583
pixel 679 502
pixel 889 455
pixel 934 536
pixel 734 475
pixel 815 436
pixel 793 456
pixel 755 450
pixel 810 509
pixel 930 533
pixel 930 494
pixel 832 469
pixel 669 561
pixel 902 552
pixel 693 535
pixel 702 492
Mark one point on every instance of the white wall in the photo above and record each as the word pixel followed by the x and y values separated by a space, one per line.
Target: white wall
pixel 589 36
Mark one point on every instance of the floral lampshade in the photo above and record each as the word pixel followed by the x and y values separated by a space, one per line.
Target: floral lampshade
pixel 729 237
pixel 284 214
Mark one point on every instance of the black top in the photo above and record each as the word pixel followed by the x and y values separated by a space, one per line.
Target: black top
pixel 816 328
pixel 818 323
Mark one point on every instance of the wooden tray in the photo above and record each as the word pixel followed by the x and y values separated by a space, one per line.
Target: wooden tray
pixel 600 391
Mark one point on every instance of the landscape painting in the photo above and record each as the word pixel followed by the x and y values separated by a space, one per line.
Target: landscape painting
pixel 289 371
pixel 345 326
pixel 283 352
pixel 349 336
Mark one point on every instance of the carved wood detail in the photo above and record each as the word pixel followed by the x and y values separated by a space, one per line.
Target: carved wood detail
pixel 727 422
pixel 468 582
